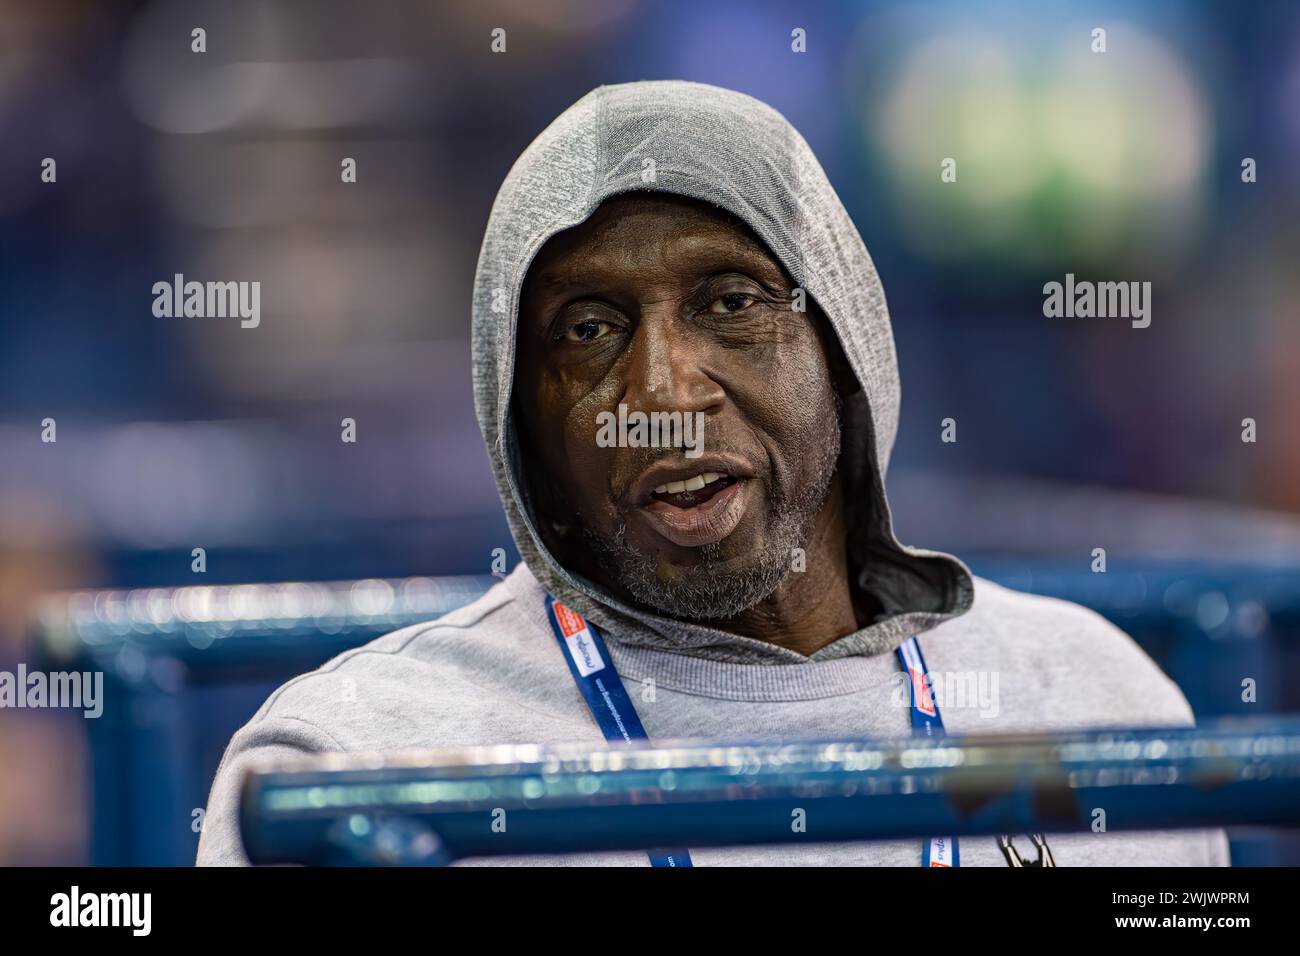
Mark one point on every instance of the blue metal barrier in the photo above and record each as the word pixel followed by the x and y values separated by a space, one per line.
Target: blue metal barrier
pixel 184 668
pixel 442 806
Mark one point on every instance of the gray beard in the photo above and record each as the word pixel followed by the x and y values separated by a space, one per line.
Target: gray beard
pixel 713 591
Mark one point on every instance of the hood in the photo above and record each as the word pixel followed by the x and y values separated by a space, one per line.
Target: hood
pixel 730 150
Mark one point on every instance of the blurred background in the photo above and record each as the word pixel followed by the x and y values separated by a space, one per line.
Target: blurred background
pixel 176 434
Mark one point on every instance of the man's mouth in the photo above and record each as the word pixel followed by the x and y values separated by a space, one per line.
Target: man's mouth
pixel 695 510
pixel 693 491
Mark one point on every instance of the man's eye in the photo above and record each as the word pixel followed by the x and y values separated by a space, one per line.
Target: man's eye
pixel 731 302
pixel 588 330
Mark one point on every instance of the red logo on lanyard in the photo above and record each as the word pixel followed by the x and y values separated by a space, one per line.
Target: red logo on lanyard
pixel 921 691
pixel 571 622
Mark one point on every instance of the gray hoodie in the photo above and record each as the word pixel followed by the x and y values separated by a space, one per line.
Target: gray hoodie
pixel 492 672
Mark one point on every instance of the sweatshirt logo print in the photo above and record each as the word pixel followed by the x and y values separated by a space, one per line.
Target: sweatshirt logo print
pixel 577 637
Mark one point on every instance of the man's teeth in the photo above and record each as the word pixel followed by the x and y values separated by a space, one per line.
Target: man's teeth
pixel 690 484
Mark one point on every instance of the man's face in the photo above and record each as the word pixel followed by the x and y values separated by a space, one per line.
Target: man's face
pixel 662 304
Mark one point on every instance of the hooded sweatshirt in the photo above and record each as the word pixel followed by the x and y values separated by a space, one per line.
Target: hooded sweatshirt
pixel 493 673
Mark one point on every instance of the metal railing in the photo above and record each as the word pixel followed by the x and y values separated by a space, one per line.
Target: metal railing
pixel 431 808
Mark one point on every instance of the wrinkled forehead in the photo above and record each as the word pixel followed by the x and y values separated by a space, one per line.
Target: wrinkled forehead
pixel 648 231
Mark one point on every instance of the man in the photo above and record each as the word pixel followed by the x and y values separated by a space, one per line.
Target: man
pixel 669 249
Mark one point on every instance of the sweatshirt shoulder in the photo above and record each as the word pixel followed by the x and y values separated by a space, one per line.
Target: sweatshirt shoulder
pixel 411 642
pixel 1067 659
pixel 443 674
pixel 469 677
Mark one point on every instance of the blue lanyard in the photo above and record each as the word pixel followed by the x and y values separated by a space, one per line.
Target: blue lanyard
pixel 936 851
pixel 593 671
pixel 607 698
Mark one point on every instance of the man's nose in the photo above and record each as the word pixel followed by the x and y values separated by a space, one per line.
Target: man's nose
pixel 668 370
